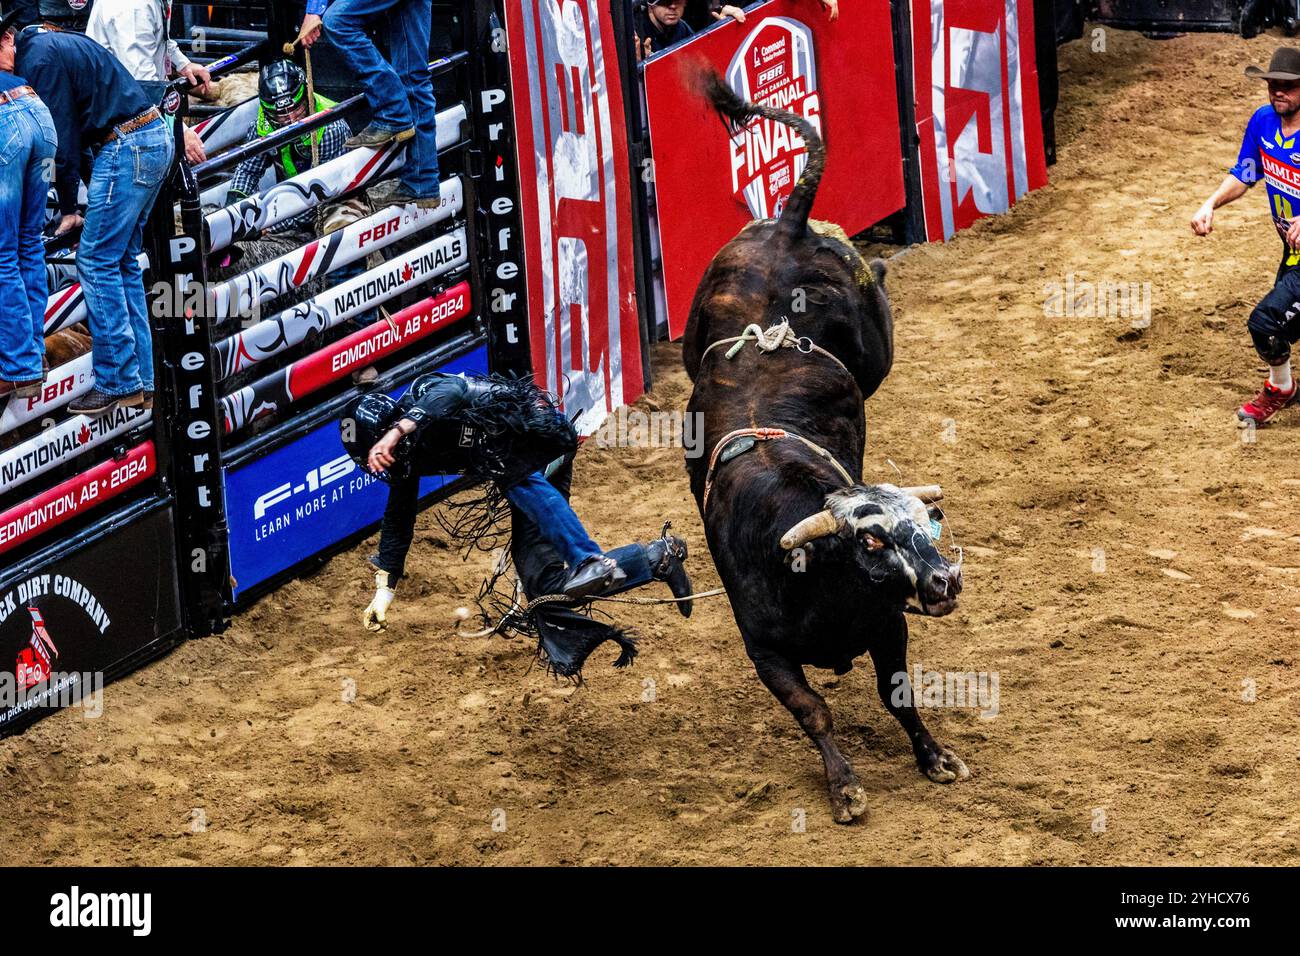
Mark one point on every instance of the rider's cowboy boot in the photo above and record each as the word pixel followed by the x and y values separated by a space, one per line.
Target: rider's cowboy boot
pixel 596 575
pixel 667 557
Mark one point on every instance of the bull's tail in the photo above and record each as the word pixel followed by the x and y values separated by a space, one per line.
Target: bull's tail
pixel 737 113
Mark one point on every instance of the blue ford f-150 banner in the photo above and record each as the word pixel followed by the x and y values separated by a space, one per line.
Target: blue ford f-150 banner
pixel 304 497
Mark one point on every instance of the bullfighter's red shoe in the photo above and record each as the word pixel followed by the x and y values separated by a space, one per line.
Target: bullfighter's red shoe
pixel 1267 403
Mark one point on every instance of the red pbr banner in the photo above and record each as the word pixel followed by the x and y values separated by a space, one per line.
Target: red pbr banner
pixel 838 75
pixel 276 391
pixel 378 340
pixel 76 496
pixel 584 332
pixel 977 115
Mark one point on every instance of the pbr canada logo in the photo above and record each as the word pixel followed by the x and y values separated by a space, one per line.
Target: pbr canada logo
pixel 775 66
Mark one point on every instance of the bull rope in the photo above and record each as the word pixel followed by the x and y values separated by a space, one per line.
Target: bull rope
pixel 778 336
pixel 522 608
pixel 765 434
pixel 775 337
pixel 313 138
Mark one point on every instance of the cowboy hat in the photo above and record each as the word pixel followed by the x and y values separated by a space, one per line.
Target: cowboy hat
pixel 1285 65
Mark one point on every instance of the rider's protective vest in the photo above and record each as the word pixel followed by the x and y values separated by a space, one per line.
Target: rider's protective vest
pixel 294 157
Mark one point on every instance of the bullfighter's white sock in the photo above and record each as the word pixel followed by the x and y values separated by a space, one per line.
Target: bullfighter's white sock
pixel 1279 376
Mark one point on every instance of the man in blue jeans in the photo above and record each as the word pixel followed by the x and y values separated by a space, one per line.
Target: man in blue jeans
pixel 400 94
pixel 97 104
pixel 504 431
pixel 27 146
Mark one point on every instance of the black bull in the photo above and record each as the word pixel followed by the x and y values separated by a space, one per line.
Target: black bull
pixel 840 596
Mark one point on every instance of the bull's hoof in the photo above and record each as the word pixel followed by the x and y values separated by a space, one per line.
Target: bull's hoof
pixel 943 766
pixel 848 801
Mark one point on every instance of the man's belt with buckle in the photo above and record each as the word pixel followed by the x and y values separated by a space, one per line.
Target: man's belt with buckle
pixel 131 125
pixel 16 94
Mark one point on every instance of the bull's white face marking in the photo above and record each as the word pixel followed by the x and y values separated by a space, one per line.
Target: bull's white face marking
pixel 882 511
pixel 884 514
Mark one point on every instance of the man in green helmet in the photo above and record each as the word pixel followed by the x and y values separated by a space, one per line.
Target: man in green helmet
pixel 282 95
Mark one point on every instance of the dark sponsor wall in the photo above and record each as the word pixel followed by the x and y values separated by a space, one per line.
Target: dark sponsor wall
pixel 1047 32
pixel 88 610
pixel 500 234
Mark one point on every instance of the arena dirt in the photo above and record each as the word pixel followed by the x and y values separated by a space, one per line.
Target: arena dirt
pixel 1131 577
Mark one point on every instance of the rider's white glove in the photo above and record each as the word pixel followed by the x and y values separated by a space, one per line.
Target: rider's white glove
pixel 374 617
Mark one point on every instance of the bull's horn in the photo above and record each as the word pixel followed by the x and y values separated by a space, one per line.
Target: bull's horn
pixel 927 493
pixel 814 526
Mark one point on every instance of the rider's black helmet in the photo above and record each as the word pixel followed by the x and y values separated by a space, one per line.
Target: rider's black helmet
pixel 365 423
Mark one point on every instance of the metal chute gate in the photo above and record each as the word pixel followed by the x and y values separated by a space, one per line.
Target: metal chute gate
pixel 123 535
